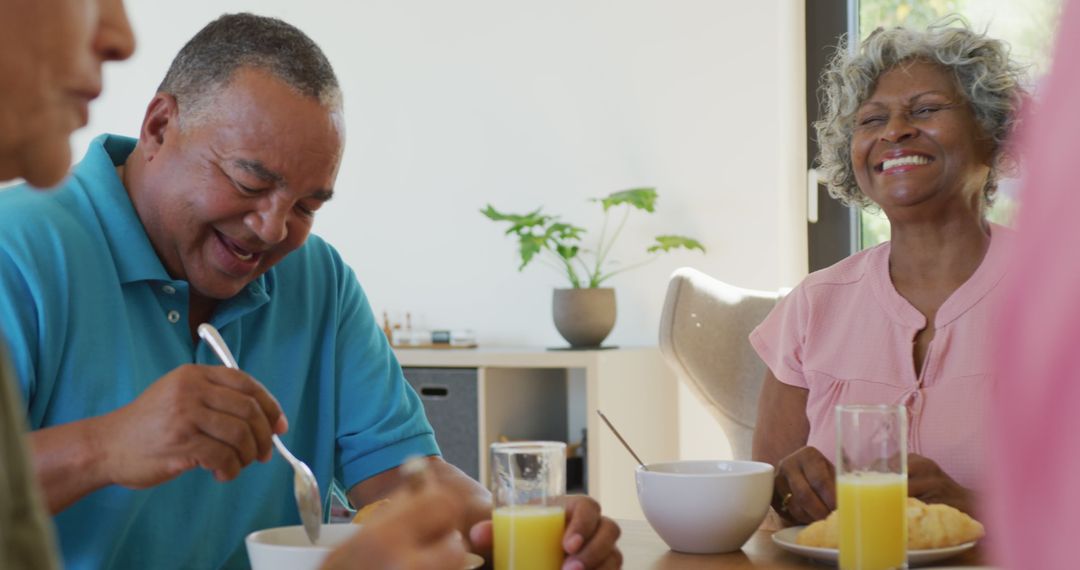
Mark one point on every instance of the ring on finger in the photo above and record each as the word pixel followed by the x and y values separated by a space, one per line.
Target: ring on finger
pixel 784 501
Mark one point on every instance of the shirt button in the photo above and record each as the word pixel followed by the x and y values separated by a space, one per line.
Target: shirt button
pixel 169 289
pixel 174 316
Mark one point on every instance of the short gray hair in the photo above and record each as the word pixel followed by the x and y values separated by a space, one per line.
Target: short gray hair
pixel 208 61
pixel 990 80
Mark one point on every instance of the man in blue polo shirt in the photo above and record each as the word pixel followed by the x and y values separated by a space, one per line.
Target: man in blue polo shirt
pixel 205 218
pixel 104 282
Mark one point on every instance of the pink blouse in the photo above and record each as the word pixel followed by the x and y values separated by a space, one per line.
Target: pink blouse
pixel 847 336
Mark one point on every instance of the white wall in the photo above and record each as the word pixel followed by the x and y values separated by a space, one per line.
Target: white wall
pixel 451 105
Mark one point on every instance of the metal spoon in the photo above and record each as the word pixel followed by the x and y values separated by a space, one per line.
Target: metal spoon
pixel 305 487
pixel 621 440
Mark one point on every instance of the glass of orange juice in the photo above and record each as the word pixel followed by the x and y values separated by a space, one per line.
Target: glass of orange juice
pixel 871 486
pixel 528 480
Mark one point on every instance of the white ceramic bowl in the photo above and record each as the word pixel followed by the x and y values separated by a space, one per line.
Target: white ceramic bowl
pixel 288 548
pixel 705 507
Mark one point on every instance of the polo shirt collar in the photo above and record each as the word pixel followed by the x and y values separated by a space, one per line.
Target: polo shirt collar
pixel 254 295
pixel 131 249
pixel 130 246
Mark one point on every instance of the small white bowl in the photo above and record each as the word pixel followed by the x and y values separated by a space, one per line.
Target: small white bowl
pixel 288 547
pixel 705 507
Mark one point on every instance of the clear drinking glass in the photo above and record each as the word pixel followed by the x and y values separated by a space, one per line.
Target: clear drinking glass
pixel 871 486
pixel 528 480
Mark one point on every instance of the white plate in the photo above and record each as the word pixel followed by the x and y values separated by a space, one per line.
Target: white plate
pixel 786 539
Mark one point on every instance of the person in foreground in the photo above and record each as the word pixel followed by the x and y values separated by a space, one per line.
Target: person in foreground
pixel 414 530
pixel 206 218
pixel 916 124
pixel 1034 496
pixel 51 56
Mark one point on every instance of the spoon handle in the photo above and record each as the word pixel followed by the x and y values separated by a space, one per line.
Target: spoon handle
pixel 284 451
pixel 621 440
pixel 213 338
pixel 208 333
pixel 305 487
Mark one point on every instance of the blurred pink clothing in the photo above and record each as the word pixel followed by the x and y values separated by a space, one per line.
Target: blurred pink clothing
pixel 1035 500
pixel 847 335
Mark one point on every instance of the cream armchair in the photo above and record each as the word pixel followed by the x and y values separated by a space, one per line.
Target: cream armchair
pixel 703 336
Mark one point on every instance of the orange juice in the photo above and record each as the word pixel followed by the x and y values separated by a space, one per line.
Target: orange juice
pixel 528 537
pixel 873 522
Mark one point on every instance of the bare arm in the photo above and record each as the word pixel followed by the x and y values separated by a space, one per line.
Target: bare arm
pixel 804 488
pixel 68 462
pixel 782 427
pixel 195 416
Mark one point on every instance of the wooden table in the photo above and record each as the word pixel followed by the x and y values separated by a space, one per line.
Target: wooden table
pixel 643 550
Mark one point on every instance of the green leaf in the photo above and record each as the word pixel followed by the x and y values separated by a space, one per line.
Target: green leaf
pixel 518 222
pixel 495 215
pixel 563 231
pixel 530 246
pixel 640 198
pixel 537 232
pixel 668 243
pixel 567 252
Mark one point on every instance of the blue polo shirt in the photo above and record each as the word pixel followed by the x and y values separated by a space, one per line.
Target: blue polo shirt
pixel 92 319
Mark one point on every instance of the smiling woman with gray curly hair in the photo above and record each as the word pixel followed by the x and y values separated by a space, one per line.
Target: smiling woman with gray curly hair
pixel 990 81
pixel 917 123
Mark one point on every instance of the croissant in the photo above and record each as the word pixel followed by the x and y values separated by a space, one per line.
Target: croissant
pixel 929 526
pixel 938 526
pixel 369 509
pixel 824 533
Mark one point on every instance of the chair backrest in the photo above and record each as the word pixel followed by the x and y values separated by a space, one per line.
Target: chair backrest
pixel 703 336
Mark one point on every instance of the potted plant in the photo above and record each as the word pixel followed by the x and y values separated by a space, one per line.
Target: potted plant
pixel 585 312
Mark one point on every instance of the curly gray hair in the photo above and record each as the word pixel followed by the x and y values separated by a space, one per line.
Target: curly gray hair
pixel 991 81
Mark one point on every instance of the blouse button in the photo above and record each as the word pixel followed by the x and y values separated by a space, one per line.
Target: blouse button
pixel 174 316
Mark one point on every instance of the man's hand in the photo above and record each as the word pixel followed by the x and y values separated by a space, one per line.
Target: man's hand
pixel 589 540
pixel 195 416
pixel 414 531
pixel 805 486
pixel 928 483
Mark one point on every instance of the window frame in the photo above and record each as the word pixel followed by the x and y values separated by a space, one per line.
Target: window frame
pixel 833 234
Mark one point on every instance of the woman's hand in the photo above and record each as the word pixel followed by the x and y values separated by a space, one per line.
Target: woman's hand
pixel 805 486
pixel 416 531
pixel 928 483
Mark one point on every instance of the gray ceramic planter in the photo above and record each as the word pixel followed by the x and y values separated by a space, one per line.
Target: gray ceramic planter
pixel 584 317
